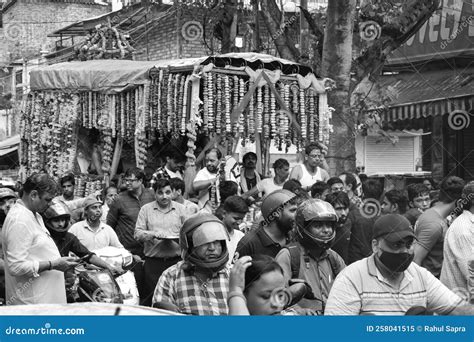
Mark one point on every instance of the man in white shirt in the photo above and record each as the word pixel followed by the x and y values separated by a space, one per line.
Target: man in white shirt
pixel 33 265
pixel 207 176
pixel 311 170
pixel 92 232
pixel 459 247
pixel 269 185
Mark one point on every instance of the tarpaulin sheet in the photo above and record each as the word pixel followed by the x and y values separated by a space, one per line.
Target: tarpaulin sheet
pixel 96 75
pixel 117 75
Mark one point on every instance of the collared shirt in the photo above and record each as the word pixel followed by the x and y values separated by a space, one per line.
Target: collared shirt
pixel 122 217
pixel 167 222
pixel 360 289
pixel 318 273
pixel 190 295
pixel 258 242
pixel 94 239
pixel 458 251
pixel 26 242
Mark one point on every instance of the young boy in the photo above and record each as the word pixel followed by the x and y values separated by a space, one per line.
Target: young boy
pixel 418 200
pixel 232 213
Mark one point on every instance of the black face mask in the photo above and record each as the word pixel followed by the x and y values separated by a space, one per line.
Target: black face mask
pixel 3 216
pixel 396 262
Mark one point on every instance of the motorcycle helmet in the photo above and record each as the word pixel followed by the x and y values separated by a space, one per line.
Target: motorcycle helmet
pixel 57 209
pixel 315 210
pixel 6 193
pixel 198 230
pixel 274 203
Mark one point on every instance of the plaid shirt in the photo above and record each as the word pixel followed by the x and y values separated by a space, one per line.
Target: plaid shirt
pixel 163 173
pixel 184 290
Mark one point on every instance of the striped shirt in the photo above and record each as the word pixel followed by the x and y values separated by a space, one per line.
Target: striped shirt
pixel 184 290
pixel 360 289
pixel 458 250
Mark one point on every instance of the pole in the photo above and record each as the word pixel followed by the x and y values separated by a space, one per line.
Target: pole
pixel 304 30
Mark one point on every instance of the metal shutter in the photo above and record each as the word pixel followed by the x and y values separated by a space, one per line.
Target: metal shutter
pixel 385 158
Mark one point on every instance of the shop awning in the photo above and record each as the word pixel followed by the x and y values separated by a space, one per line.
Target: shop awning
pixel 422 95
pixel 9 145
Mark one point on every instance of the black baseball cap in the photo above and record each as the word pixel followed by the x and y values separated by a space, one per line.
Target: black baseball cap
pixel 393 227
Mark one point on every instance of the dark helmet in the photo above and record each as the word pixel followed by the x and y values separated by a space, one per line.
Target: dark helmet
pixel 203 228
pixel 57 209
pixel 275 202
pixel 315 210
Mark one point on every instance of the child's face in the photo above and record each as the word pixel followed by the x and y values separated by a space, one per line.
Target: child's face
pixel 421 202
pixel 259 294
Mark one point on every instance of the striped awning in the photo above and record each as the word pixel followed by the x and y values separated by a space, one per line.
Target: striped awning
pixel 416 96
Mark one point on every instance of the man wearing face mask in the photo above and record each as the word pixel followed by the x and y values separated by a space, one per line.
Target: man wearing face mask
pixel 388 282
pixel 310 257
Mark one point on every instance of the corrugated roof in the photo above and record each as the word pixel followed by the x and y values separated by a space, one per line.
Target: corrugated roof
pixel 420 95
pixel 86 2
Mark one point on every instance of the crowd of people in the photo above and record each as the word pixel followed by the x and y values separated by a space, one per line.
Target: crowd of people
pixel 320 245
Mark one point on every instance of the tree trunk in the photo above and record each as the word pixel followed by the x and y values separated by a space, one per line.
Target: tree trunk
pixel 336 64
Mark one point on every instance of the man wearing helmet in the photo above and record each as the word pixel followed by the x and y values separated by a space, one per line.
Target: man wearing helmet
pixel 57 220
pixel 197 285
pixel 310 257
pixel 278 211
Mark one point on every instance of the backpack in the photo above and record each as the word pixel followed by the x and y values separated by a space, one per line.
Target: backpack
pixel 295 263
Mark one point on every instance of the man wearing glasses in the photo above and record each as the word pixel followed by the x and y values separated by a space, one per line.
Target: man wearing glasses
pixel 311 170
pixel 123 214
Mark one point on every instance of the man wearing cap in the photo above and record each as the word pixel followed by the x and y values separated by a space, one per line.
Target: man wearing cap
pixel 92 232
pixel 199 284
pixel 278 211
pixel 459 247
pixel 157 227
pixel 388 282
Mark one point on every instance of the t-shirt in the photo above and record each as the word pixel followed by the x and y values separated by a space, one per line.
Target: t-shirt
pixel 267 186
pixel 430 230
pixel 412 215
pixel 342 240
pixel 258 242
pixel 204 175
pixel 360 244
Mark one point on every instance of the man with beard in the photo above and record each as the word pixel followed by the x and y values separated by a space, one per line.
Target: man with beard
pixel 207 176
pixel 388 282
pixel 310 257
pixel 278 211
pixel 157 227
pixel 341 203
pixel 56 220
pixel 33 265
pixel 92 232
pixel 310 171
pixel 123 214
pixel 199 284
pixel 249 177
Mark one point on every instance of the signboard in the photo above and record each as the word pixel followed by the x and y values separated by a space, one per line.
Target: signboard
pixel 449 32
